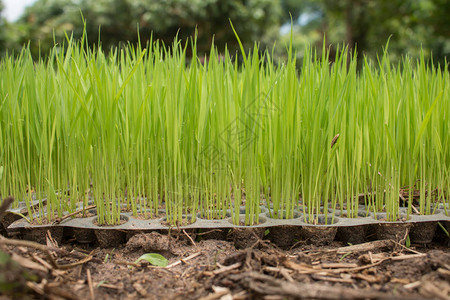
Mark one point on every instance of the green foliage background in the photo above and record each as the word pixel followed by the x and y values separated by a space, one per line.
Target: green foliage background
pixel 362 24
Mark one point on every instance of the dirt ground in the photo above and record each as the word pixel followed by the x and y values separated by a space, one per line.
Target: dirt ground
pixel 214 269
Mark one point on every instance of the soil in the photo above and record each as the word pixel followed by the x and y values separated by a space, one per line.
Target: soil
pixel 285 236
pixel 149 216
pixel 319 235
pixel 214 216
pixel 110 238
pixel 122 220
pixel 247 237
pixel 184 222
pixel 393 231
pixel 42 221
pixel 423 232
pixel 40 234
pixel 84 235
pixel 352 234
pixel 361 214
pixel 86 214
pixel 214 269
pixel 8 219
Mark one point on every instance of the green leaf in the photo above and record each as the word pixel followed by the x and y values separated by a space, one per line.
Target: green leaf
pixel 4 258
pixel 154 258
pixel 101 283
pixel 240 43
pixel 1 172
pixel 21 215
pixel 127 80
pixel 425 122
pixel 443 228
pixel 407 242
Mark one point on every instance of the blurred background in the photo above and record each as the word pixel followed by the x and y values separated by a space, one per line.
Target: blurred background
pixel 364 24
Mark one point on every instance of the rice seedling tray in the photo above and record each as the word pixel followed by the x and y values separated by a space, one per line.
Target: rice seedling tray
pixel 133 223
pixel 283 232
pixel 14 214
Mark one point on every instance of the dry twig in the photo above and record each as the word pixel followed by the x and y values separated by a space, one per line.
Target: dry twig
pixel 59 220
pixel 72 265
pixel 91 287
pixel 369 246
pixel 46 250
pixel 267 285
pixel 30 244
pixel 189 237
pixel 224 269
pixel 219 292
pixel 183 260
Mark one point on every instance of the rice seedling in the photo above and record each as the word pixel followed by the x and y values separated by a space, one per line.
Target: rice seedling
pixel 144 129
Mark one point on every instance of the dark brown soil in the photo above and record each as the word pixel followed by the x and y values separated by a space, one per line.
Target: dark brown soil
pixel 423 232
pixel 110 238
pixel 84 235
pixel 213 234
pixel 319 235
pixel 39 234
pixel 247 237
pixel 352 234
pixel 392 231
pixel 8 219
pixel 211 269
pixel 285 236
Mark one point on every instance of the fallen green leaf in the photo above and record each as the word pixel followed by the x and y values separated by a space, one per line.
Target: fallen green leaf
pixel 154 258
pixel 101 283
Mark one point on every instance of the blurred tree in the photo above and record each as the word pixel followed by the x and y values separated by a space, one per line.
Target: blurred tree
pixel 252 19
pixel 297 9
pixel 437 17
pixel 46 22
pixel 368 24
pixel 119 20
pixel 2 28
pixel 364 24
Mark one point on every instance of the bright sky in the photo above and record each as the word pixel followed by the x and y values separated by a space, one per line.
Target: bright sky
pixel 14 8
